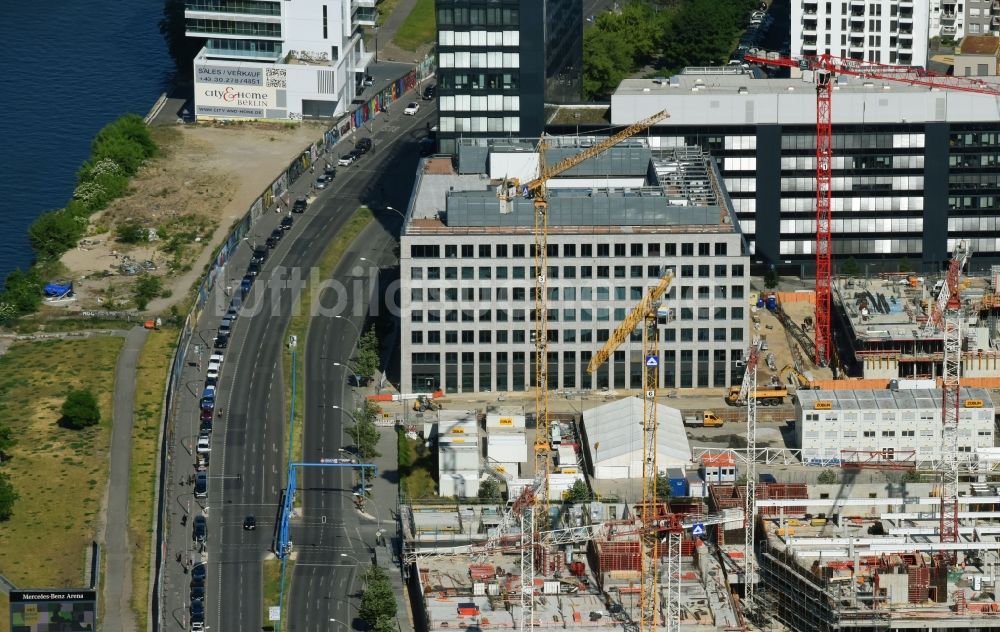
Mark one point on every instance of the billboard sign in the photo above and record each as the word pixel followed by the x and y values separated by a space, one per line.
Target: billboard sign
pixel 240 91
pixel 45 610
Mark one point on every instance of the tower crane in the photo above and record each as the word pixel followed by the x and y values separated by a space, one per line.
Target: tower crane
pixel 950 394
pixel 960 256
pixel 748 389
pixel 644 314
pixel 532 514
pixel 825 68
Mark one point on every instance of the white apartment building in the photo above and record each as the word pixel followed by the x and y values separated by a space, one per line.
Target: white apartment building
pixel 884 31
pixel 957 18
pixel 278 59
pixel 833 425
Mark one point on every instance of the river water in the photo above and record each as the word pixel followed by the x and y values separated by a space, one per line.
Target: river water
pixel 71 67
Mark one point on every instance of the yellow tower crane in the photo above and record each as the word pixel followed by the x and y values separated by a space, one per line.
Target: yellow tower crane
pixel 534 518
pixel 644 314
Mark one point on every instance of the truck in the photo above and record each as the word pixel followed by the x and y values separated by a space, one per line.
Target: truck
pixel 766 396
pixel 706 419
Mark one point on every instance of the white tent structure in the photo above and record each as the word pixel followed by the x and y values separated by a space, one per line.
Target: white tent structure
pixel 614 438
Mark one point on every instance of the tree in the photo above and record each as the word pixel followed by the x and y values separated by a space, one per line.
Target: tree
pixel 385 624
pixel 490 490
pixel 850 268
pixel 22 293
pixel 8 496
pixel 771 278
pixel 368 358
pixel 131 233
pixel 378 601
pixel 662 487
pixel 912 476
pixel 55 232
pixel 364 433
pixel 147 287
pixel 905 265
pixel 404 451
pixel 826 477
pixel 579 492
pixel 619 44
pixel 80 409
pixel 702 32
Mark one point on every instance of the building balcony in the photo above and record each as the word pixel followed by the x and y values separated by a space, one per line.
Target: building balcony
pixel 857 3
pixel 809 28
pixel 364 16
pixel 947 17
pixel 239 50
pixel 947 29
pixel 856 47
pixel 232 28
pixel 906 18
pixel 857 17
pixel 224 8
pixel 367 4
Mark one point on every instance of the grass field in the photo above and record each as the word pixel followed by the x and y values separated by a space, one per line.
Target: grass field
pixel 60 474
pixel 418 28
pixel 151 377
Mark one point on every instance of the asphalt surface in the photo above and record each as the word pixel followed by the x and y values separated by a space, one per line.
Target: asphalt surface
pixel 245 473
pixel 118 614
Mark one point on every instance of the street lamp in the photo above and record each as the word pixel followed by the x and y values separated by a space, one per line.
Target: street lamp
pixel 396 211
pixel 342 409
pixel 357 378
pixel 356 328
pixel 341 623
pixel 354 559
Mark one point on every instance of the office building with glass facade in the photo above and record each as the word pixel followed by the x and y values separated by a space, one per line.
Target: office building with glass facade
pixel 616 223
pixel 500 61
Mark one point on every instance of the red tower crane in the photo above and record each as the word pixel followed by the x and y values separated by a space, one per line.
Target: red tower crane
pixel 826 67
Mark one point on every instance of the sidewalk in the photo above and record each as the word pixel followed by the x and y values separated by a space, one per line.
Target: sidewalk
pixel 387 50
pixel 118 616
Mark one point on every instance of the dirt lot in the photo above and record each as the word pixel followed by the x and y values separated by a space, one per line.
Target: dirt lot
pixel 205 179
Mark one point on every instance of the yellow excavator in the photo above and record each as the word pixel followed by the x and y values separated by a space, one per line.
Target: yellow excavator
pixel 801 381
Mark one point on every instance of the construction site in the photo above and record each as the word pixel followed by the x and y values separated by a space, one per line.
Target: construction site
pixel 879 368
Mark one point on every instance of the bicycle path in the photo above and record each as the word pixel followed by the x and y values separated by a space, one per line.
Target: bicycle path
pixel 118 614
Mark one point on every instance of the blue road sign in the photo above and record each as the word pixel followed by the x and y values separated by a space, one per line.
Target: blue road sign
pixel 698 529
pixel 652 361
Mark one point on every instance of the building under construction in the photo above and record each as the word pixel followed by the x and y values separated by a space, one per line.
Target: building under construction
pixel 840 560
pixel 585 583
pixel 886 332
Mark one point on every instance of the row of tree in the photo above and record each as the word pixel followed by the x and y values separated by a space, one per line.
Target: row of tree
pixel 378 601
pixel 664 34
pixel 117 152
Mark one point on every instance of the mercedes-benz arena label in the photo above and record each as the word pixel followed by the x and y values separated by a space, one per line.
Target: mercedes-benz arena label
pixel 60 609
pixel 240 91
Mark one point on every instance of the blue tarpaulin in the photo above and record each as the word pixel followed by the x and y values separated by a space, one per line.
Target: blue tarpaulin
pixel 57 289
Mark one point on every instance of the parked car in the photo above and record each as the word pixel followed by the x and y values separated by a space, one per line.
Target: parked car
pixel 411 109
pixel 364 144
pixel 216 358
pixel 206 415
pixel 197 594
pixel 253 269
pixel 300 204
pixel 249 523
pixel 204 444
pixel 272 242
pixel 198 574
pixel 226 326
pixel 212 377
pixel 368 81
pixel 197 611
pixel 259 255
pixel 221 341
pixel 330 170
pixel 200 529
pixel 232 313
pixel 200 491
pixel 209 392
pixel 320 183
pixel 429 92
pixel 286 222
pixel 207 403
pixel 347 159
pixel 245 285
pixel 357 154
pixel 206 425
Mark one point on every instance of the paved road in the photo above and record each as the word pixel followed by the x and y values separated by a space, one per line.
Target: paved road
pixel 333 542
pixel 245 476
pixel 118 616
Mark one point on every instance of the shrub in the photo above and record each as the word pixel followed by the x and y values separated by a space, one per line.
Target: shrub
pixel 22 293
pixel 125 141
pixel 8 496
pixel 826 477
pixel 131 233
pixel 80 409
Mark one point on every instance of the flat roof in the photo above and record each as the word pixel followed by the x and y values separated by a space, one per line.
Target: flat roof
pixel 884 309
pixel 887 399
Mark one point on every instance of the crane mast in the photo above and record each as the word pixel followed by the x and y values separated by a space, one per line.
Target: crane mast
pixel 644 314
pixel 749 519
pixel 532 515
pixel 950 395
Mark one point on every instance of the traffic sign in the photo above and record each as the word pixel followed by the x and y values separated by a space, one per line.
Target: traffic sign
pixel 652 361
pixel 698 529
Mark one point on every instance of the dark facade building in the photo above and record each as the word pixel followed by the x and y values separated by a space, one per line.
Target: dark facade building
pixel 500 61
pixel 914 171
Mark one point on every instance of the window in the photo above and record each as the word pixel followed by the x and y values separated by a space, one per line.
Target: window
pixel 425 251
pixel 888 433
pixel 635 272
pixel 586 272
pixel 434 337
pixel 434 273
pixel 636 250
pixel 417 337
pixel 467 251
pixel 468 336
pixel 704 250
pixel 737 270
pixel 517 272
pixel 687 271
pixel 586 250
pixel 450 293
pixel 519 293
pixel 417 315
pixel 603 250
pixel 485 272
pixel 569 250
pixel 703 271
pixel 720 270
pixel 671 250
pixel 687 250
pixel 518 250
pixel 485 336
pixel 653 249
pixel 603 272
pixel 869 433
pixel 416 273
pixel 416 294
pixel 451 316
pixel 501 272
pixel 619 250
pixel 737 291
pixel 451 337
pixel 907 433
pixel 484 251
pixel 451 251
pixel 619 272
pixel 468 316
pixel 451 273
pixel 485 315
pixel 720 249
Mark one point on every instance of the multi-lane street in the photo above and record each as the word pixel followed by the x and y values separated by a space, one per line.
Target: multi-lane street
pixel 245 475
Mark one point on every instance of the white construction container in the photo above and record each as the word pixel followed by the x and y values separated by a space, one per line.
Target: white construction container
pixel 455 456
pixel 505 418
pixel 461 484
pixel 507 448
pixel 561 482
pixel 567 456
pixel 550 588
